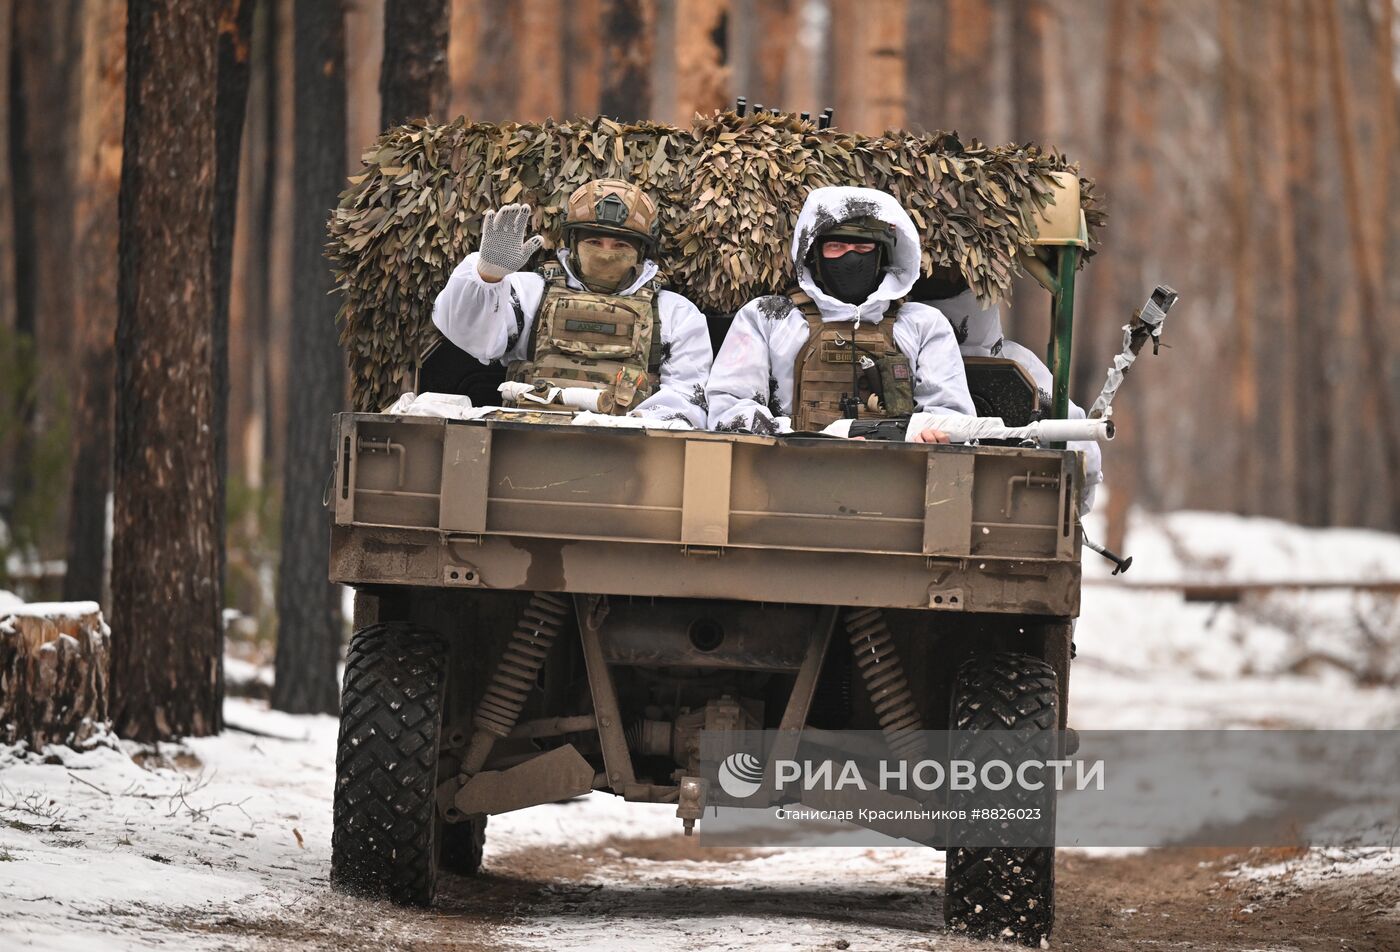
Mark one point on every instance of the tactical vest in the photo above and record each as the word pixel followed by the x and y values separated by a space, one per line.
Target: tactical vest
pixel 822 375
pixel 583 338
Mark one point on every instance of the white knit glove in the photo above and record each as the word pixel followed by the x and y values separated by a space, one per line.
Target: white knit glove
pixel 504 248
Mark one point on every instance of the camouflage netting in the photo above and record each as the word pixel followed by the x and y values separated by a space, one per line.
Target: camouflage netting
pixel 729 189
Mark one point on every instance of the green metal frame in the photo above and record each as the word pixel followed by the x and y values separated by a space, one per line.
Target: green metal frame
pixel 1054 268
pixel 1058 351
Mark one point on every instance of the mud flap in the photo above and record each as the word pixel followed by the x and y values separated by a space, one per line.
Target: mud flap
pixel 558 774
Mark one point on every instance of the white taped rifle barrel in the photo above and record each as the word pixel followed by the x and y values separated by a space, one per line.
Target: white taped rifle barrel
pixel 577 398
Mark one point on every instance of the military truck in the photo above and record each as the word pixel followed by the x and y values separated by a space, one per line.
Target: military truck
pixel 545 610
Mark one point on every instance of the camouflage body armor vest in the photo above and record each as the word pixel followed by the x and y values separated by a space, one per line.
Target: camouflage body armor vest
pixel 884 380
pixel 583 338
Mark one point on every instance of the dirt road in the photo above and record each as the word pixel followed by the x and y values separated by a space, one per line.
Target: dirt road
pixel 669 893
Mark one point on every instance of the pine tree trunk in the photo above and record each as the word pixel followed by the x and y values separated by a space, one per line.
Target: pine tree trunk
pixel 626 59
pixel 230 107
pixel 541 81
pixel 167 677
pixel 491 95
pixel 582 66
pixel 95 304
pixel 413 81
pixel 7 218
pixel 1379 412
pixel 1029 21
pixel 702 77
pixel 308 617
pixel 1313 394
pixel 925 67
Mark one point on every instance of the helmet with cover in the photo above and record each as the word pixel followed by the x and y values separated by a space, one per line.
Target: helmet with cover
pixel 612 207
pixel 853 275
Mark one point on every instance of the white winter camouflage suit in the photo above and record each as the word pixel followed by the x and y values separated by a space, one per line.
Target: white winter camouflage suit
pixel 752 381
pixel 979 334
pixel 493 321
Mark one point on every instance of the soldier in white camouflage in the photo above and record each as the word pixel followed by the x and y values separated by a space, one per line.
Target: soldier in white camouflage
pixel 595 317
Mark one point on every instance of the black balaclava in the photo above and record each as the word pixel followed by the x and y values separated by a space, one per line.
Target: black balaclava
pixel 854 276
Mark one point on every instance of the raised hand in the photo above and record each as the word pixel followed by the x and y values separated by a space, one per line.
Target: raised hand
pixel 504 247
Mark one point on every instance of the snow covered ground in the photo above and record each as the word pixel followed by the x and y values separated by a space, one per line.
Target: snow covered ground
pixel 225 842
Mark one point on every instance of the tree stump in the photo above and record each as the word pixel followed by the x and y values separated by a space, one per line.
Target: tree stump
pixel 53 673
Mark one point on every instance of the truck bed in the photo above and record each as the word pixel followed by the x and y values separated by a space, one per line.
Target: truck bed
pixel 501 504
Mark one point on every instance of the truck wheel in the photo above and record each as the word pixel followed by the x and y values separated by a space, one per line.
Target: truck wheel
pixel 385 835
pixel 462 845
pixel 1004 892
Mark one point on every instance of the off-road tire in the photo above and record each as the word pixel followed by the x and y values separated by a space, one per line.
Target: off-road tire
pixel 385 835
pixel 1004 892
pixel 462 846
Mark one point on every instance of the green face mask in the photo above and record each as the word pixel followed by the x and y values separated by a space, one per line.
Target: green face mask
pixel 605 270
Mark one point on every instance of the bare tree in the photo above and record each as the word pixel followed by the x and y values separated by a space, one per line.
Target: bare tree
pixel 95 304
pixel 413 75
pixel 167 678
pixel 308 616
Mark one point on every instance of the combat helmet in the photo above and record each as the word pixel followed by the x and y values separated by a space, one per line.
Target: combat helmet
pixel 613 207
pixel 864 228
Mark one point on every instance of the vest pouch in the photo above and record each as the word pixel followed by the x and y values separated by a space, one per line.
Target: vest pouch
pixel 594 325
pixel 625 386
pixel 897 382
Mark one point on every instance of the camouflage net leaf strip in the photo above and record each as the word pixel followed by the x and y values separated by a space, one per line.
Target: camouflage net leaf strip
pixel 729 188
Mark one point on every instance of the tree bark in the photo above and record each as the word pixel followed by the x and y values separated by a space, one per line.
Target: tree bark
pixel 167 677
pixel 95 304
pixel 970 70
pixel 308 616
pixel 230 107
pixel 492 93
pixel 702 76
pixel 1379 407
pixel 1029 21
pixel 926 70
pixel 1312 401
pixel 541 83
pixel 626 60
pixel 582 66
pixel 7 220
pixel 413 80
pixel 1244 373
pixel 54 665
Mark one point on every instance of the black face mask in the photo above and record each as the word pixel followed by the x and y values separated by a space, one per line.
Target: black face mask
pixel 851 278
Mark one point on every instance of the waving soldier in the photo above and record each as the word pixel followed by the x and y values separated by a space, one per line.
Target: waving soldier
pixel 843 344
pixel 595 318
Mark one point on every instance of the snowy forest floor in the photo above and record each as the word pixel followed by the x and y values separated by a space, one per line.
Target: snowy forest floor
pixel 224 843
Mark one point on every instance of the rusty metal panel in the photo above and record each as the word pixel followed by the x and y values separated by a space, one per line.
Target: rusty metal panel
pixel 466 472
pixel 947 499
pixel 705 503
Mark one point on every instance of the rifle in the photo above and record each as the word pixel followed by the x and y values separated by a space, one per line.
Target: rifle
pixel 965 429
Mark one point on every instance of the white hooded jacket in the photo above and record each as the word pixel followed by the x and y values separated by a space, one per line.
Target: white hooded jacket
pixel 492 321
pixel 751 384
pixel 979 334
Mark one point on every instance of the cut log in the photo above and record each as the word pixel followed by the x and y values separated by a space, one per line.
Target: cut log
pixel 53 673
